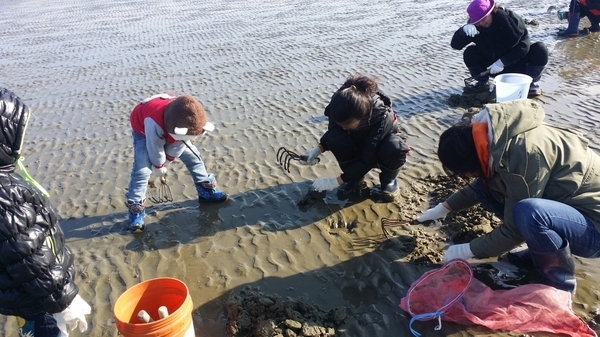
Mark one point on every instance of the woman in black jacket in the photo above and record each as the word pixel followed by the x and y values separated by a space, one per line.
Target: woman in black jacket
pixel 36 267
pixel 363 134
pixel 499 44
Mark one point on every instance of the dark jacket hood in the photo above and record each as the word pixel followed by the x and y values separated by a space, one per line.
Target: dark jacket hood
pixel 14 116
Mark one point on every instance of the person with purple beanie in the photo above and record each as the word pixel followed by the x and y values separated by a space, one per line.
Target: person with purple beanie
pixel 498 42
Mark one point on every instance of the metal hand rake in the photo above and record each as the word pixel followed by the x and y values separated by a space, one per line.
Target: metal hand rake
pixel 387 223
pixel 163 192
pixel 285 156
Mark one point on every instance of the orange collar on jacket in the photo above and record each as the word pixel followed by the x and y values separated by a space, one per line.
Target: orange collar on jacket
pixel 480 138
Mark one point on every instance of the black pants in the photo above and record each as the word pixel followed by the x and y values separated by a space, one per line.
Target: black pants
pixel 576 6
pixel 40 325
pixel 391 153
pixel 481 59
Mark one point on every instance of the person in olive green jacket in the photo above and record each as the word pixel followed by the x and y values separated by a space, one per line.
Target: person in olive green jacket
pixel 542 180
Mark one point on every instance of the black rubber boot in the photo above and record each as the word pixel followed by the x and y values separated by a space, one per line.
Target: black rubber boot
pixel 351 187
pixel 389 185
pixel 482 81
pixel 521 259
pixel 557 268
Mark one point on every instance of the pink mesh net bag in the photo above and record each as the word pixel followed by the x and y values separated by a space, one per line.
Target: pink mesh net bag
pixel 450 293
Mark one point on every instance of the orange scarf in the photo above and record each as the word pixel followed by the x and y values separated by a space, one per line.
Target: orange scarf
pixel 480 138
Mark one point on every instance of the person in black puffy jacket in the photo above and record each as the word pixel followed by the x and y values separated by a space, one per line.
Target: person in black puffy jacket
pixel 36 267
pixel 363 134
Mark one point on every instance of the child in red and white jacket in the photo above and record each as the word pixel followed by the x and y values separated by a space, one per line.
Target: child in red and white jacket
pixel 162 127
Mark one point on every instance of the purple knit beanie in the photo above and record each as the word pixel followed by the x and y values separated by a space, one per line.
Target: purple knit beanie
pixel 479 9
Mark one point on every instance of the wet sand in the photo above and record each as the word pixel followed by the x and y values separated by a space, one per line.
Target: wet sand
pixel 265 73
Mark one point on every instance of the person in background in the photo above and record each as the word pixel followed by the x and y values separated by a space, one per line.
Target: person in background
pixel 162 127
pixel 363 133
pixel 542 180
pixel 36 267
pixel 577 9
pixel 498 42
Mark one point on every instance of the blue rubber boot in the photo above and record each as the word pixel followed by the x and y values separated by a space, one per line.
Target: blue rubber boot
pixel 137 212
pixel 208 192
pixel 573 28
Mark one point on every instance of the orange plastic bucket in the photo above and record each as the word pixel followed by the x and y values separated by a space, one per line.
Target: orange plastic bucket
pixel 149 296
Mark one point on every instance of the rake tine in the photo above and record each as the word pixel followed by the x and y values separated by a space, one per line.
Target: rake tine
pixel 168 196
pixel 385 223
pixel 164 194
pixel 161 197
pixel 287 163
pixel 285 157
pixel 152 191
pixel 280 154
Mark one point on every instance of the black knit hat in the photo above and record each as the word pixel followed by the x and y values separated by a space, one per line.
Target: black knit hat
pixel 456 151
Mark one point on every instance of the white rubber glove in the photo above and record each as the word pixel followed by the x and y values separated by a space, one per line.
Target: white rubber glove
pixel 470 30
pixel 73 316
pixel 311 156
pixel 438 212
pixel 461 251
pixel 159 171
pixel 325 184
pixel 496 67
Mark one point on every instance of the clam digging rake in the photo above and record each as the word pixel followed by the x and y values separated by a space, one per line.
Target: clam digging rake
pixel 285 156
pixel 387 223
pixel 163 193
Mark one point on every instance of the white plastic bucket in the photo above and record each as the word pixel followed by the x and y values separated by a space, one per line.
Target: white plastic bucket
pixel 510 87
